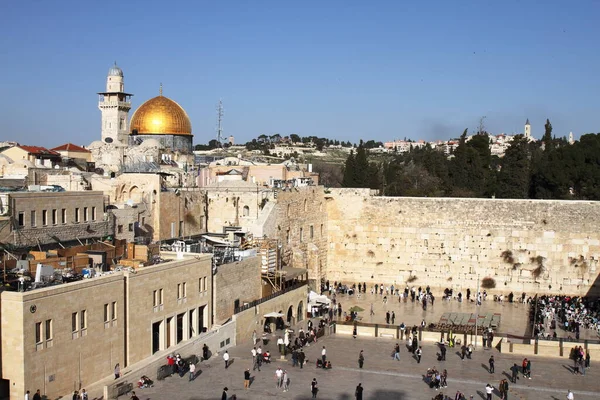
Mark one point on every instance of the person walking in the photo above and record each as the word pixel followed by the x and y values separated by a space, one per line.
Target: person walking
pixel 358 393
pixel 442 352
pixel 419 353
pixel 117 371
pixel 323 356
pixel 226 359
pixel 204 352
pixel 27 395
pixel 286 381
pixel 504 389
pixel 38 396
pixel 361 359
pixel 224 395
pixel 254 338
pixel 570 395
pixel 314 388
pixel 491 362
pixel 134 396
pixel 489 389
pixel 247 378
pixel 515 373
pixel 301 358
pixel 84 395
pixel 528 369
pixel 393 317
pixel 397 352
pixel 192 371
pixel 444 377
pixel 279 377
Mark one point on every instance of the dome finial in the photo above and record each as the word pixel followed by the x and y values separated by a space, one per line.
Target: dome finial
pixel 160 90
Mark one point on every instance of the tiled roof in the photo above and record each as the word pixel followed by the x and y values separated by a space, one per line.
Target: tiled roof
pixel 71 147
pixel 37 150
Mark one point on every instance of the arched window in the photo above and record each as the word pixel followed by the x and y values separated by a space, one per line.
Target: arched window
pixel 246 211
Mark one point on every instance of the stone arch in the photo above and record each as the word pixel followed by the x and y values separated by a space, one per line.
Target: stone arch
pixel 246 211
pixel 289 318
pixel 300 313
pixel 135 194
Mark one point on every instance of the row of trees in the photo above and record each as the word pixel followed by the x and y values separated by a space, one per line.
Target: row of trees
pixel 548 169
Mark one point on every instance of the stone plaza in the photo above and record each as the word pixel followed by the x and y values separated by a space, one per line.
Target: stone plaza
pixel 381 376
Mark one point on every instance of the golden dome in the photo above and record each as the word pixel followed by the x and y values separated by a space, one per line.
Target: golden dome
pixel 161 116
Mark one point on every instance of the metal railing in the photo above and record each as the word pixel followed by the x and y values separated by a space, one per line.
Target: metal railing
pixel 269 297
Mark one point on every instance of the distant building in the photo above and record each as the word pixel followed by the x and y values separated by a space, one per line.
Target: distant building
pixel 69 150
pixel 39 156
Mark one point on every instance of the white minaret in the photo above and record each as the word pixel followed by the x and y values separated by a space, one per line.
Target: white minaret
pixel 571 139
pixel 527 129
pixel 114 104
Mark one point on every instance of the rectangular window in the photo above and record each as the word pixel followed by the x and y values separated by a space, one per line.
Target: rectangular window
pixel 76 215
pixel 321 230
pixel 106 315
pixel 312 231
pixel 184 289
pixel 48 329
pixel 74 325
pixel 54 217
pixel 93 213
pixel 160 297
pixel 33 222
pixel 85 214
pixel 130 227
pixel 63 215
pixel 179 291
pixel 301 234
pixel 21 218
pixel 114 310
pixel 205 287
pixel 44 217
pixel 83 319
pixel 119 228
pixel 38 332
pixel 155 298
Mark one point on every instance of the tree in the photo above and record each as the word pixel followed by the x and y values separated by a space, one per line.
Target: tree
pixel 349 179
pixel 547 139
pixel 295 138
pixel 514 177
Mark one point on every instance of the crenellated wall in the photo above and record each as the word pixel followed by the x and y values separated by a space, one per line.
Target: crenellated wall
pixel 524 245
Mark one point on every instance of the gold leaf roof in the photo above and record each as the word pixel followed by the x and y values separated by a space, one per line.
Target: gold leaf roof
pixel 161 116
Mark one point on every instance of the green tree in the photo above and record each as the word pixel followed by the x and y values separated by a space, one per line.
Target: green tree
pixel 547 139
pixel 295 138
pixel 349 178
pixel 514 176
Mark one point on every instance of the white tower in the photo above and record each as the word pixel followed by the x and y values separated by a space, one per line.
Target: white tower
pixel 571 139
pixel 114 104
pixel 527 129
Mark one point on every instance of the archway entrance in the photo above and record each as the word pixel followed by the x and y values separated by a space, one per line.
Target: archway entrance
pixel 290 315
pixel 300 315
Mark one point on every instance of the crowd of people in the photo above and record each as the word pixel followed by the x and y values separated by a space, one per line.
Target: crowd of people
pixel 569 313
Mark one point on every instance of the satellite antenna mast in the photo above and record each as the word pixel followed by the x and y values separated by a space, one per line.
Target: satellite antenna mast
pixel 219 120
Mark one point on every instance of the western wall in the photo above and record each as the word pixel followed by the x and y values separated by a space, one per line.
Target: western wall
pixel 532 246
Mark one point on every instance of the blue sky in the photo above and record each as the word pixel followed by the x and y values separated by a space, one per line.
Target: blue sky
pixel 339 69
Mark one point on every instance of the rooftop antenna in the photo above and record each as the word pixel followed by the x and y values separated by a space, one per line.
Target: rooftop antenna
pixel 219 120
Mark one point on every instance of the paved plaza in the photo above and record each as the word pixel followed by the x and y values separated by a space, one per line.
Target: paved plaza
pixel 515 320
pixel 382 377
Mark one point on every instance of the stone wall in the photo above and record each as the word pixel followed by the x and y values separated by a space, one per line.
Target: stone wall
pixel 301 227
pixel 181 214
pixel 235 206
pixel 252 319
pixel 239 281
pixel 534 246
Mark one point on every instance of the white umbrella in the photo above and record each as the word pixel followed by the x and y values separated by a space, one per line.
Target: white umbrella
pixel 273 315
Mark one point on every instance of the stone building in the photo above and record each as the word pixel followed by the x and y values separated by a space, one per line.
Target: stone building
pixel 62 338
pixel 43 218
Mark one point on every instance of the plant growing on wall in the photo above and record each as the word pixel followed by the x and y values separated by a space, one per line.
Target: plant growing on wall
pixel 539 261
pixel 411 278
pixel 371 253
pixel 190 219
pixel 488 283
pixel 507 257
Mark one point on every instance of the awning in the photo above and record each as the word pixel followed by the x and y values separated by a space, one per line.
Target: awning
pixel 216 240
pixel 273 315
